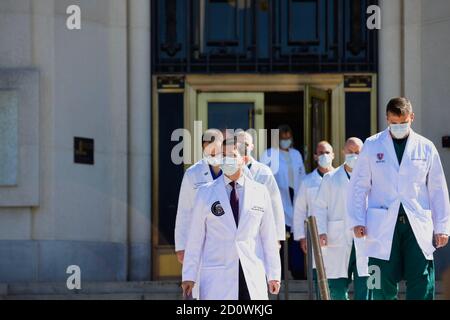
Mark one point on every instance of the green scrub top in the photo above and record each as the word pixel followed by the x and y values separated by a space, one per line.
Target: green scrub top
pixel 399 146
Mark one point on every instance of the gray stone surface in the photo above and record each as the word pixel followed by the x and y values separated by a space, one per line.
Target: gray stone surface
pixel 25 190
pixel 140 262
pixel 8 137
pixel 47 261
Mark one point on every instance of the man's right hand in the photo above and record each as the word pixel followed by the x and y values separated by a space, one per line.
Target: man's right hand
pixel 303 245
pixel 180 256
pixel 187 287
pixel 323 240
pixel 360 231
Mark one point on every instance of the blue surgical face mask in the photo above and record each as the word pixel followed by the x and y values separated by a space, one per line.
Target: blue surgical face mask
pixel 351 159
pixel 400 131
pixel 325 161
pixel 286 143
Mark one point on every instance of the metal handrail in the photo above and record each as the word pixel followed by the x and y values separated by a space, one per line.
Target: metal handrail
pixel 313 244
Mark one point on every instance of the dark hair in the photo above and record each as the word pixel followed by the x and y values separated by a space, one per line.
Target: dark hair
pixel 399 106
pixel 284 128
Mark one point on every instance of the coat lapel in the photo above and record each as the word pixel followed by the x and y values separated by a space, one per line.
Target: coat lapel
pixel 409 149
pixel 247 194
pixel 343 178
pixel 389 147
pixel 206 171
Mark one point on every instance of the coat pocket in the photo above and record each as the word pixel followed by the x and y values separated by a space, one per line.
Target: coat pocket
pixel 374 223
pixel 336 233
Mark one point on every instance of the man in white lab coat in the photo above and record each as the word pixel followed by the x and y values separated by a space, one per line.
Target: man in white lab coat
pixel 262 174
pixel 309 187
pixel 232 216
pixel 399 201
pixel 202 172
pixel 287 166
pixel 343 257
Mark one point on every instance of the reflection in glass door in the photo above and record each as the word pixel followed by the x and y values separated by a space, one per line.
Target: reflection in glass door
pixel 231 115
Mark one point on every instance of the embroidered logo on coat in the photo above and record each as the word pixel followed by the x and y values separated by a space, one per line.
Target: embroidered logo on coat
pixel 380 156
pixel 217 209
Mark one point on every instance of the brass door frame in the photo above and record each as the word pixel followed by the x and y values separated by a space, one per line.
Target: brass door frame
pixel 196 84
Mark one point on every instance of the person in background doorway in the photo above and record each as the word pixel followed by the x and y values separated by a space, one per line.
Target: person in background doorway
pixel 288 168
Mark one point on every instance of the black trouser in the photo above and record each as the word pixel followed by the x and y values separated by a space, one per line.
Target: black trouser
pixel 296 257
pixel 243 289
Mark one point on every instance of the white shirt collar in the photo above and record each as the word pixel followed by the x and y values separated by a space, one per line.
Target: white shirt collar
pixel 239 181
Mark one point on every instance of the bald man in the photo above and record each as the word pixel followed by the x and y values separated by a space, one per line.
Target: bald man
pixel 344 256
pixel 309 187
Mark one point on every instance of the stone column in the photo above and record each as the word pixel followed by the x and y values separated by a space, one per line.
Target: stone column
pixel 413 58
pixel 400 55
pixel 139 106
pixel 390 56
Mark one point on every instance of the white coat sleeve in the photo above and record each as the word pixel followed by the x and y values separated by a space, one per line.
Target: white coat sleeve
pixel 277 206
pixel 360 185
pixel 269 243
pixel 321 205
pixel 300 213
pixel 195 241
pixel 265 158
pixel 183 218
pixel 302 170
pixel 438 194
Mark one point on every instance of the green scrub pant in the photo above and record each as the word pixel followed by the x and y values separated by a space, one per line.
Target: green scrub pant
pixel 339 287
pixel 408 263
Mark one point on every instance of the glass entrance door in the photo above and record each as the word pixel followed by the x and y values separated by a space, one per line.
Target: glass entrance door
pixel 317 121
pixel 233 111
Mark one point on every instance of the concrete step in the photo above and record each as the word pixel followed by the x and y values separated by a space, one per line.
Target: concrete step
pixel 151 290
pixel 93 288
pixel 105 296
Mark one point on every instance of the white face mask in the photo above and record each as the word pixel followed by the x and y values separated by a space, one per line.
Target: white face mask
pixel 325 160
pixel 350 160
pixel 230 166
pixel 285 144
pixel 400 131
pixel 213 160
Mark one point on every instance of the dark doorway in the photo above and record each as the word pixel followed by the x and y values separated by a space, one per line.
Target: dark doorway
pixel 285 108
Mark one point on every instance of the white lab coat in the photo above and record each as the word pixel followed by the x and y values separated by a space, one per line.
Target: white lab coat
pixel 304 203
pixel 194 177
pixel 379 184
pixel 219 244
pixel 262 174
pixel 279 167
pixel 330 210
